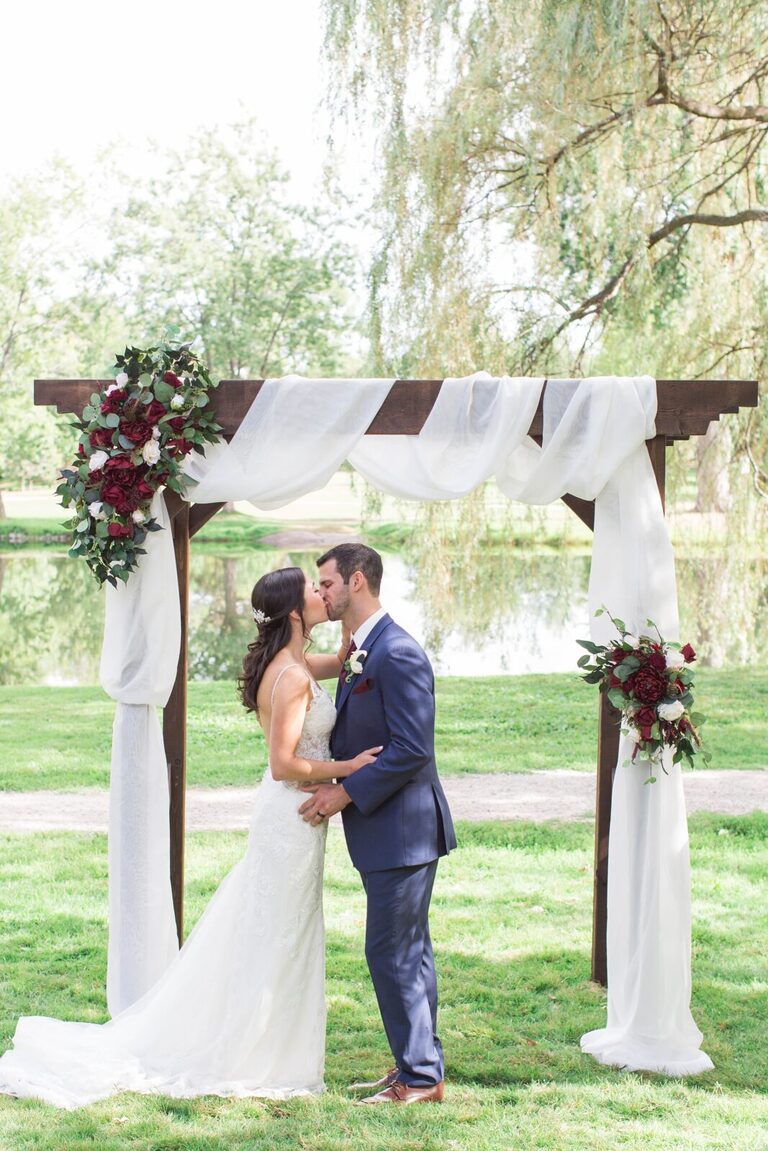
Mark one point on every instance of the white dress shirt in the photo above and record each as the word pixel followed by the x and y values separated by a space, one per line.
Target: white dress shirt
pixel 366 627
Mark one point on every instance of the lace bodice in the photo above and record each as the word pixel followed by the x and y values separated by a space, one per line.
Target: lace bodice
pixel 315 739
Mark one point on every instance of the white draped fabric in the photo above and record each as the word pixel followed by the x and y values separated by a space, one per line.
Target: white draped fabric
pixel 139 658
pixel 292 440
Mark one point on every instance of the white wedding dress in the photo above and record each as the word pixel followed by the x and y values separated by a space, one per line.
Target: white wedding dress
pixel 241 1010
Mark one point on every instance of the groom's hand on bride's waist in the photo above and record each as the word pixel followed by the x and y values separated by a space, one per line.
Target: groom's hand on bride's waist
pixel 325 800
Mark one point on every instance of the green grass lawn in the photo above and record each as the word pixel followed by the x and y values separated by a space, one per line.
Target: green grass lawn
pixel 511 923
pixel 60 737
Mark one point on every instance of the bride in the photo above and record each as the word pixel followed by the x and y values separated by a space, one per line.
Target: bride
pixel 241 1010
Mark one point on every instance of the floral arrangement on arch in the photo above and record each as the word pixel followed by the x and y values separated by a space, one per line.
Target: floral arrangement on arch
pixel 134 438
pixel 649 680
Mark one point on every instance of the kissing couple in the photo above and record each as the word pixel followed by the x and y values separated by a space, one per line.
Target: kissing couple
pixel 241 1009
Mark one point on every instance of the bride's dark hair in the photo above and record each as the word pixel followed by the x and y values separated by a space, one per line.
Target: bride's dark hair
pixel 275 596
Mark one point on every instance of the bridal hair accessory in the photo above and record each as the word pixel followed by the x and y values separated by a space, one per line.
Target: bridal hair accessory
pixel 260 617
pixel 354 665
pixel 648 681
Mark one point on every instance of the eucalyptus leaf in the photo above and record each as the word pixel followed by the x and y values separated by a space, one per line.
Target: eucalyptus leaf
pixel 112 420
pixel 164 392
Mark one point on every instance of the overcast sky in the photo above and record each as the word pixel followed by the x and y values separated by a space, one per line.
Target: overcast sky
pixel 79 75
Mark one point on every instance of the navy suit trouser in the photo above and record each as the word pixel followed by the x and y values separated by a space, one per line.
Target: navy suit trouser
pixel 398 949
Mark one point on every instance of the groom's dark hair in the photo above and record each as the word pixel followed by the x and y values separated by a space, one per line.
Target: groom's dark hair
pixel 356 558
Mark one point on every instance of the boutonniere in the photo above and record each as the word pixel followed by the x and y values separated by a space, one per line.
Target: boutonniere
pixel 354 665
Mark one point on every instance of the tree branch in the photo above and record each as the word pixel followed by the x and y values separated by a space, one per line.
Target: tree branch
pixel 595 303
pixel 708 218
pixel 758 112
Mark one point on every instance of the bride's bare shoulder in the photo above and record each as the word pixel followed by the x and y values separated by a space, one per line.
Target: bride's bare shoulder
pixel 291 675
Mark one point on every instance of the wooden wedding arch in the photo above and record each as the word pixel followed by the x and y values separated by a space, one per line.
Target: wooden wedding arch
pixel 685 408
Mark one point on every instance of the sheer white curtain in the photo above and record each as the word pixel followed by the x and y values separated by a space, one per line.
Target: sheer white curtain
pixel 294 437
pixel 139 657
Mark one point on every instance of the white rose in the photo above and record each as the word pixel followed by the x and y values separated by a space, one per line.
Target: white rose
pixel 95 510
pixel 633 734
pixel 675 659
pixel 356 661
pixel 632 640
pixel 138 516
pixel 112 388
pixel 156 432
pixel 151 452
pixel 121 379
pixel 670 711
pixel 97 460
pixel 177 402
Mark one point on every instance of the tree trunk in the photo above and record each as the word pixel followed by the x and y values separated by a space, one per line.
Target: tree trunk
pixel 231 619
pixel 3 513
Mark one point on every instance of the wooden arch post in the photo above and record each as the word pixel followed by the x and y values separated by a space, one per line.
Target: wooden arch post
pixel 685 408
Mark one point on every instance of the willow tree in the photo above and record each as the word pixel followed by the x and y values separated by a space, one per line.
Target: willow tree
pixel 565 185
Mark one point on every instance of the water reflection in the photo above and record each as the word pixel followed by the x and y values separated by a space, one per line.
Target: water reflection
pixel 485 611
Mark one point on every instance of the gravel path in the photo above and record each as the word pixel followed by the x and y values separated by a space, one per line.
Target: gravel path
pixel 537 796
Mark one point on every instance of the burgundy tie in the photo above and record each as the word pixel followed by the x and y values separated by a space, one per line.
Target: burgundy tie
pixel 344 671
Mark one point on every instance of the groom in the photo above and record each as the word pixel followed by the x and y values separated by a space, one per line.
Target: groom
pixel 396 818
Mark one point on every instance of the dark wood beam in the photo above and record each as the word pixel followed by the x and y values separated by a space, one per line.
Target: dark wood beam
pixel 686 407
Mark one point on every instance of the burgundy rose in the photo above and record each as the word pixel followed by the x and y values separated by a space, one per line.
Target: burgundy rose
pixel 80 450
pixel 120 530
pixel 155 411
pixel 144 490
pixel 122 471
pixel 171 378
pixel 113 402
pixel 101 438
pixel 179 447
pixel 617 655
pixel 123 500
pixel 657 661
pixel 648 684
pixel 688 654
pixel 137 431
pixel 644 720
pixel 177 424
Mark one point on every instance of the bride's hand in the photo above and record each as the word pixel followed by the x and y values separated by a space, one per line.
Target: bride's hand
pixel 364 758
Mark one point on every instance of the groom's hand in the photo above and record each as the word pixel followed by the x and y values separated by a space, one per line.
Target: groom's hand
pixel 325 800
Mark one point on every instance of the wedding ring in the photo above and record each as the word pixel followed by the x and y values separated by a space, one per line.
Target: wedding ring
pixel 320 815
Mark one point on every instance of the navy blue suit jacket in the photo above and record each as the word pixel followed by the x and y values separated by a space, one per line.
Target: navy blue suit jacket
pixel 399 815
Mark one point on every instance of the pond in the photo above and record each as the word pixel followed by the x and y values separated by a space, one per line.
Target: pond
pixel 498 611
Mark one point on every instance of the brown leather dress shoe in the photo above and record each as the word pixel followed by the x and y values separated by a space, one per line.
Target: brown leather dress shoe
pixel 401 1093
pixel 385 1081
